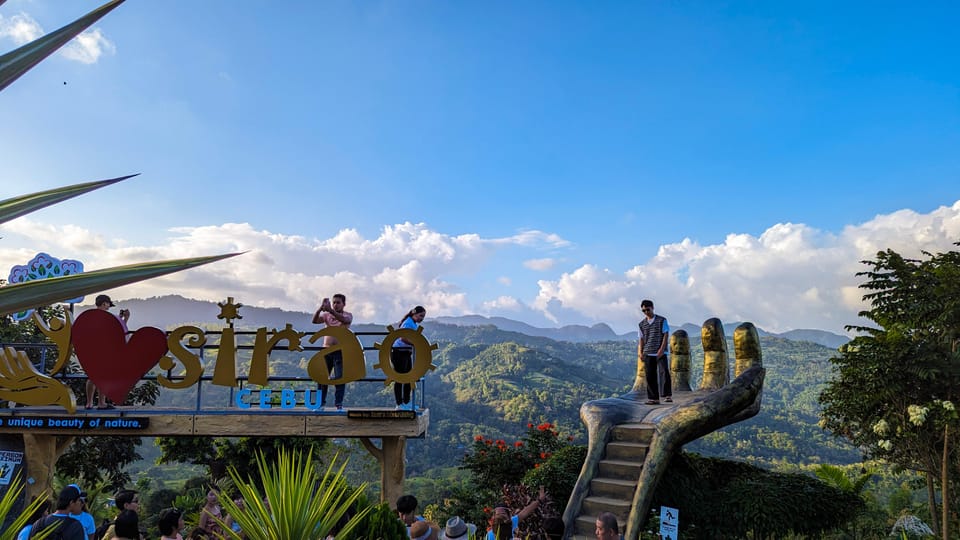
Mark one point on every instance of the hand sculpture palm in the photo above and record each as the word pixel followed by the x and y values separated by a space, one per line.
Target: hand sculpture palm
pixel 694 414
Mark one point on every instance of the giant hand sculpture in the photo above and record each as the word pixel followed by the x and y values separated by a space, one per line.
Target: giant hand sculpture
pixel 694 414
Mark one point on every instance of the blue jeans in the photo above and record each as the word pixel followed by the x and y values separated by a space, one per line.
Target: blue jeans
pixel 335 369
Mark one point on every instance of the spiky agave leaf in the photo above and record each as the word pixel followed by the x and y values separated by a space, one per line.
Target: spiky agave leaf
pixel 7 503
pixel 32 294
pixel 302 504
pixel 18 61
pixel 18 206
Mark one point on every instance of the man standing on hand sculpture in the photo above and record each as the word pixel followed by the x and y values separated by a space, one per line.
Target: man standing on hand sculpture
pixel 654 336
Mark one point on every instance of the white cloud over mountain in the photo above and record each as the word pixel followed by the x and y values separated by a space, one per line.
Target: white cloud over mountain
pixel 790 276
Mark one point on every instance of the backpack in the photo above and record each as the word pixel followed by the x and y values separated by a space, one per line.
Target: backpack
pixel 58 534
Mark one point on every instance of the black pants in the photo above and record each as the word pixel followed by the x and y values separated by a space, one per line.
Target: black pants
pixel 402 360
pixel 657 373
pixel 335 369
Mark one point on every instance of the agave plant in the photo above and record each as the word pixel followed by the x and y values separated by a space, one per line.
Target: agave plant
pixel 6 504
pixel 30 294
pixel 296 501
pixel 16 297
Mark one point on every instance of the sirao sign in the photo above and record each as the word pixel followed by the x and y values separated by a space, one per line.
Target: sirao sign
pixel 115 362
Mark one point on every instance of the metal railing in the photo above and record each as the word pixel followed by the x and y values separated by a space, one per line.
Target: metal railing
pixel 48 352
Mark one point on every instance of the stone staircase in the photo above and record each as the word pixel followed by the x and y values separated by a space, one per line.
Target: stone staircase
pixel 612 489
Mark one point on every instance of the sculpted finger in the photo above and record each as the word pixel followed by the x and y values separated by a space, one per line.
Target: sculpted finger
pixel 680 361
pixel 715 366
pixel 746 347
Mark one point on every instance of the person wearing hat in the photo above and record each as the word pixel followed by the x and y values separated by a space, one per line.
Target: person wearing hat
pixel 105 303
pixel 84 517
pixel 424 530
pixel 68 502
pixel 457 529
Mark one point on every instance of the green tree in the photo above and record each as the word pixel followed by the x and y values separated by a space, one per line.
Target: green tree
pixel 218 455
pixel 896 383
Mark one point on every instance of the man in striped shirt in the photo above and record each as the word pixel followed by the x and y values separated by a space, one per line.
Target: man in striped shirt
pixel 654 337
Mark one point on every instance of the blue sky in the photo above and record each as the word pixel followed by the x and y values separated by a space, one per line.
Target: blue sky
pixel 553 162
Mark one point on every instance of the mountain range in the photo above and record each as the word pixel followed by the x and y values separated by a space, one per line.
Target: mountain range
pixel 174 310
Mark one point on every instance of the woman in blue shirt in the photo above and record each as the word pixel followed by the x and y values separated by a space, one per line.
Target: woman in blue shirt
pixel 401 356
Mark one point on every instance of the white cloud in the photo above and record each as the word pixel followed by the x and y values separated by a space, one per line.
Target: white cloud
pixel 406 265
pixel 503 303
pixel 20 28
pixel 539 265
pixel 791 276
pixel 86 48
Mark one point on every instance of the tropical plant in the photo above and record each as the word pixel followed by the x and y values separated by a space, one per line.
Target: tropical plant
pixel 20 296
pixel 296 501
pixel 380 523
pixel 31 294
pixel 838 478
pixel 6 504
pixel 895 387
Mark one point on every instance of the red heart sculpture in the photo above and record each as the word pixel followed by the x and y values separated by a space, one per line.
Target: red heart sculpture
pixel 113 363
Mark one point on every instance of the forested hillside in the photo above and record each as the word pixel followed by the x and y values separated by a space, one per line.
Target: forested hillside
pixel 493 382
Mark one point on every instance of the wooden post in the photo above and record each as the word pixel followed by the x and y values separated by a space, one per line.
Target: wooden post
pixel 390 454
pixel 41 453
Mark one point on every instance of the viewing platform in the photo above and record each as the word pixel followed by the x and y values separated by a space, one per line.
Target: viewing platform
pixel 214 400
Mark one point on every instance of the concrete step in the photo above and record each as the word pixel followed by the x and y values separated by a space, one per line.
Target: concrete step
pixel 620 469
pixel 613 487
pixel 593 505
pixel 634 432
pixel 585 526
pixel 627 451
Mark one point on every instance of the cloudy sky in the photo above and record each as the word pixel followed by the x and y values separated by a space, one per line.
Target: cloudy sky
pixel 552 162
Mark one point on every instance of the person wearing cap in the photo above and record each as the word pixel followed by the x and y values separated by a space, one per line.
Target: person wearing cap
pixel 68 502
pixel 84 517
pixel 457 529
pixel 105 303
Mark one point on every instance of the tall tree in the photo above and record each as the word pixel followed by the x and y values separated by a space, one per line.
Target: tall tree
pixel 896 384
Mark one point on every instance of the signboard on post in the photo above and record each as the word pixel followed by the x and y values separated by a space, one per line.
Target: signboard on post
pixel 669 523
